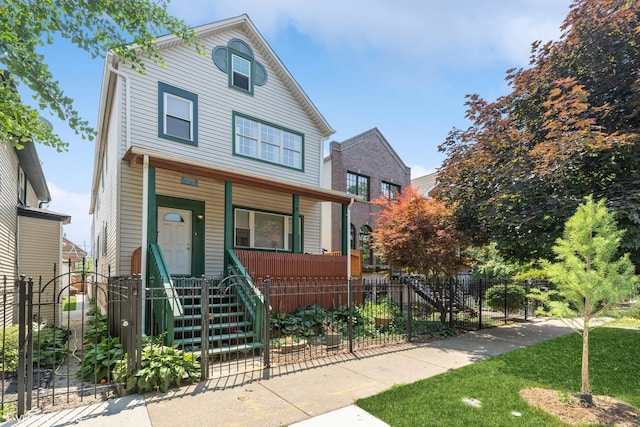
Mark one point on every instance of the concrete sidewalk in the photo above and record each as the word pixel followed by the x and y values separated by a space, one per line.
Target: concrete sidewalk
pixel 303 396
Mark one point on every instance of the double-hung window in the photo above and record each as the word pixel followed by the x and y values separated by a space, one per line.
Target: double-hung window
pixel 263 230
pixel 240 72
pixel 268 142
pixel 178 114
pixel 358 184
pixel 389 190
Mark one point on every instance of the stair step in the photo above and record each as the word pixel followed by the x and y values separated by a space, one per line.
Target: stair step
pixel 215 315
pixel 235 348
pixel 216 338
pixel 212 326
pixel 224 305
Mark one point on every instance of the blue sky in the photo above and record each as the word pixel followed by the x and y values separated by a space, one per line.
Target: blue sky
pixel 403 66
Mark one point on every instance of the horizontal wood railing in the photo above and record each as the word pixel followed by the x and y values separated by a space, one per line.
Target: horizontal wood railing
pixel 289 272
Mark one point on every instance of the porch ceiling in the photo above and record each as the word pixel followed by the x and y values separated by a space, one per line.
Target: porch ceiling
pixel 135 155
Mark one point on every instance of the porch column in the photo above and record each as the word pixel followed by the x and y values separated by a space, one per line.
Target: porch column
pixel 228 220
pixel 295 226
pixel 152 218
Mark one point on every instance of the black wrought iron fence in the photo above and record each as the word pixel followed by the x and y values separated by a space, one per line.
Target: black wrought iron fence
pixel 81 336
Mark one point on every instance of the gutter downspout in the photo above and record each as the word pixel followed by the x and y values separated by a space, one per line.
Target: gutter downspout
pixel 127 101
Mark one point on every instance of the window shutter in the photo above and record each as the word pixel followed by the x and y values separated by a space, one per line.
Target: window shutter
pixel 219 55
pixel 260 77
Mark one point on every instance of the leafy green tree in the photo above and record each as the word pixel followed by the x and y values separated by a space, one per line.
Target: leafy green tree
pixel 488 262
pixel 128 28
pixel 569 127
pixel 588 273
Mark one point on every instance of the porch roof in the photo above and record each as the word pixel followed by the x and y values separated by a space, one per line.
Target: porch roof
pixel 135 155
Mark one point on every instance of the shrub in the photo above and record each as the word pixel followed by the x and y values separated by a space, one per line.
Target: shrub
pixel 10 349
pixel 7 411
pixel 162 367
pixel 99 359
pixel 515 296
pixel 49 344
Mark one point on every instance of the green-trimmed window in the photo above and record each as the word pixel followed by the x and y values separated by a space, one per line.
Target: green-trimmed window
pixel 389 190
pixel 263 230
pixel 177 114
pixel 358 184
pixel 268 142
pixel 241 73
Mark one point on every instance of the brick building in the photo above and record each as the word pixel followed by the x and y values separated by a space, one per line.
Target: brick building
pixel 367 166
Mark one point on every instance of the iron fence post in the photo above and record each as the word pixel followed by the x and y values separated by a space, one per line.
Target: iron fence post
pixel 409 313
pixel 526 300
pixel 479 303
pixel 505 302
pixel 450 303
pixel 29 343
pixel 350 305
pixel 266 316
pixel 204 333
pixel 139 307
pixel 22 362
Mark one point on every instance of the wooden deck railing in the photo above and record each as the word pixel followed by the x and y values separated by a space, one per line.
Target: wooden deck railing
pixel 287 270
pixel 356 261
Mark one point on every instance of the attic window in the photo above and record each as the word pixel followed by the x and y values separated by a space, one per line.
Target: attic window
pixel 241 74
pixel 238 61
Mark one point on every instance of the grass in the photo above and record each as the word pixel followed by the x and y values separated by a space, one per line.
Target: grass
pixel 69 303
pixel 496 382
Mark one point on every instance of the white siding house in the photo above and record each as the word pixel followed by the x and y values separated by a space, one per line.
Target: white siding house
pixel 30 236
pixel 208 154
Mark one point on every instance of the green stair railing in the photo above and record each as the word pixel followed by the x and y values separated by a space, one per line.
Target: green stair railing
pixel 250 296
pixel 164 301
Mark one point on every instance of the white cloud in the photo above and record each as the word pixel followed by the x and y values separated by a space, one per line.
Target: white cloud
pixel 417 171
pixel 76 205
pixel 457 32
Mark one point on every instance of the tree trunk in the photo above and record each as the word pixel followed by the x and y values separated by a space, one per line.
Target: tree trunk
pixel 585 393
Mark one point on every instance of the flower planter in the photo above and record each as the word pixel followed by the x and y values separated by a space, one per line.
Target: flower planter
pixel 382 322
pixel 290 347
pixel 333 340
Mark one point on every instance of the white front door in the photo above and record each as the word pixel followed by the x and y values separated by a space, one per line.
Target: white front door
pixel 174 238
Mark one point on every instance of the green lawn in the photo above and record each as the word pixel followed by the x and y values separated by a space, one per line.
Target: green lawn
pixel 496 382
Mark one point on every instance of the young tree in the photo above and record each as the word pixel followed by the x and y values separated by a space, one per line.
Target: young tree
pixel 570 127
pixel 588 273
pixel 419 235
pixel 95 26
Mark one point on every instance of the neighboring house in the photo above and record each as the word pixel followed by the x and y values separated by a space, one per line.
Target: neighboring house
pixel 425 184
pixel 368 167
pixel 30 236
pixel 74 261
pixel 205 156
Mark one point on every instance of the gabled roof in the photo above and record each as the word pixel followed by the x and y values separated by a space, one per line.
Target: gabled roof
pixel 426 183
pixel 242 23
pixel 367 136
pixel 71 251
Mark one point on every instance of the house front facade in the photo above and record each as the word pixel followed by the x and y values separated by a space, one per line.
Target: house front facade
pixel 367 167
pixel 205 156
